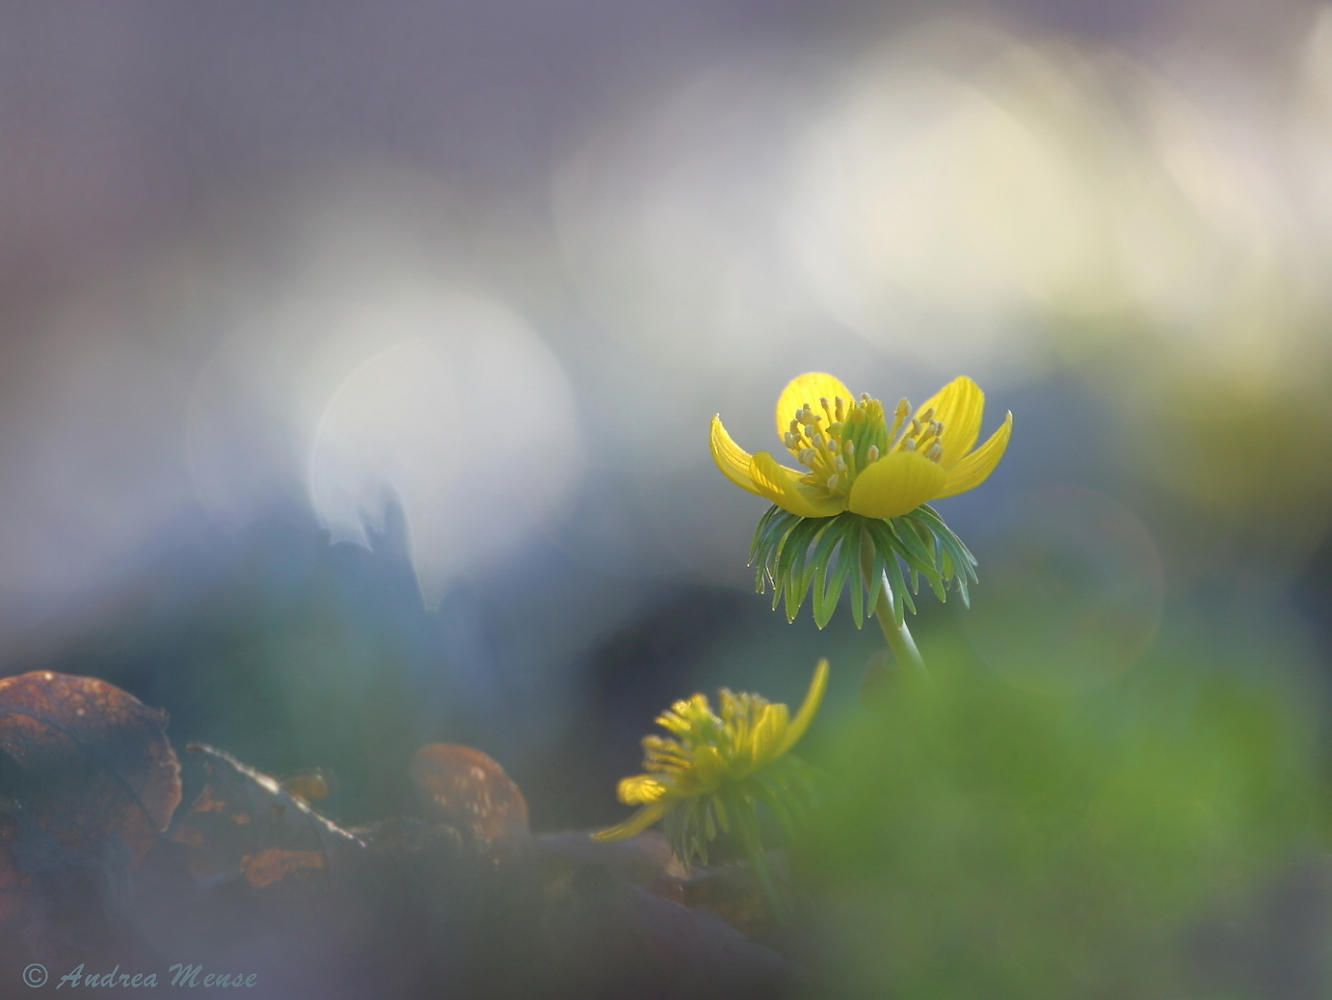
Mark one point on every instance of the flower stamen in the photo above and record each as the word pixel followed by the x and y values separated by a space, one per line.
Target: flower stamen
pixel 846 438
pixel 834 447
pixel 923 434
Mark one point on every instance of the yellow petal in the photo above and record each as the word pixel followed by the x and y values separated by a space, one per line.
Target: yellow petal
pixel 973 469
pixel 958 406
pixel 640 790
pixel 808 709
pixel 682 716
pixel 769 732
pixel 783 487
pixel 808 388
pixel 897 483
pixel 730 457
pixel 635 824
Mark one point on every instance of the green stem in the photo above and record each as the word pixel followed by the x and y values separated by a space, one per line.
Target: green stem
pixel 746 824
pixel 898 636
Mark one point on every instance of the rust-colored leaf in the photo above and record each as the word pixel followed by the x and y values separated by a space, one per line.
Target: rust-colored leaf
pixel 87 761
pixel 468 790
pixel 646 860
pixel 734 894
pixel 313 784
pixel 608 938
pixel 273 864
pixel 243 823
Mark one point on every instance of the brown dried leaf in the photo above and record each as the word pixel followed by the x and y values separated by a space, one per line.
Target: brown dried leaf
pixel 604 937
pixel 313 784
pixel 468 790
pixel 273 864
pixel 243 823
pixel 645 860
pixel 734 894
pixel 87 761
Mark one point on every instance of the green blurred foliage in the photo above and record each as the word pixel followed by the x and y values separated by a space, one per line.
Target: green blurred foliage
pixel 1241 450
pixel 990 841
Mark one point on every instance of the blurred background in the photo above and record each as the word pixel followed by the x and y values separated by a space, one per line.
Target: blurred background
pixel 356 360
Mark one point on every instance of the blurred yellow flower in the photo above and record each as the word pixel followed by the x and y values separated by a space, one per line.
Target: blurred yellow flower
pixel 853 460
pixel 717 767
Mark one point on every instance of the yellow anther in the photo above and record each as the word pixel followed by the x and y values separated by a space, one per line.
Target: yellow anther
pixel 931 433
pixel 832 482
pixel 909 444
pixel 903 408
pixel 850 449
pixel 839 408
pixel 928 415
pixel 934 452
pixel 873 454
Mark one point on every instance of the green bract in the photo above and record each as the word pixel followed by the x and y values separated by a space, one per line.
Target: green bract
pixel 797 556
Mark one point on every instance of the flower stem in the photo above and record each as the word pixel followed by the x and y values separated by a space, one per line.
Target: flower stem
pixel 746 824
pixel 898 636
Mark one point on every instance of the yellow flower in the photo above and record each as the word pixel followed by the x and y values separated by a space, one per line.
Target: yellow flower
pixel 853 460
pixel 718 764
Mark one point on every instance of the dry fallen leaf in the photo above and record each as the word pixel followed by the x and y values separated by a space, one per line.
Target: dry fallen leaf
pixel 244 823
pixel 604 937
pixel 468 790
pixel 313 784
pixel 646 860
pixel 88 761
pixel 88 782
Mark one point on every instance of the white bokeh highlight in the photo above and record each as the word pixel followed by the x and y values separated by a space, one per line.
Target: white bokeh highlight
pixel 469 425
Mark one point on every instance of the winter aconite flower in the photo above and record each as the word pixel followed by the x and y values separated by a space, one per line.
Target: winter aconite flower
pixel 857 509
pixel 855 458
pixel 712 770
